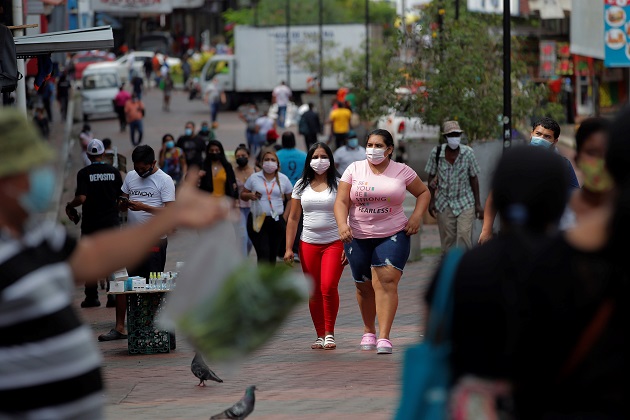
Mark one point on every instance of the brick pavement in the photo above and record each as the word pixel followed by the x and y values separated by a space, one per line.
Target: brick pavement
pixel 294 381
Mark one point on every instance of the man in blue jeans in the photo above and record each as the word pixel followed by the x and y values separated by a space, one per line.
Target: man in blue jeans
pixel 134 112
pixel 281 95
pixel 214 96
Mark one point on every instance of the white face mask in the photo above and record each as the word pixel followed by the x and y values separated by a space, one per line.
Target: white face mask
pixel 320 165
pixel 453 142
pixel 270 167
pixel 374 155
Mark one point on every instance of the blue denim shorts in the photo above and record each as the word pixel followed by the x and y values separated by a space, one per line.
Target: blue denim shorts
pixel 363 254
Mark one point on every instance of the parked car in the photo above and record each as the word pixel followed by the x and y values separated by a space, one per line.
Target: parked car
pixel 99 86
pixel 405 129
pixel 140 57
pixel 83 59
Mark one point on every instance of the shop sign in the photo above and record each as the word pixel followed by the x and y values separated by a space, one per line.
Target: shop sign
pixel 547 59
pixel 132 6
pixel 616 33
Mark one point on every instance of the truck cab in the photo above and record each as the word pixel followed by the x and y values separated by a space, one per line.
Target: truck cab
pixel 222 67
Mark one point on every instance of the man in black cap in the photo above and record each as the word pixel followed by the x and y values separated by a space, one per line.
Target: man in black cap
pixel 98 188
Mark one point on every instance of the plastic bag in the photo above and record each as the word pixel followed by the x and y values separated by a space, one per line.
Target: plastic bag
pixel 258 215
pixel 226 305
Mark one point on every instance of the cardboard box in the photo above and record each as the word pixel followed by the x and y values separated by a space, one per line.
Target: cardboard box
pixel 121 274
pixel 117 286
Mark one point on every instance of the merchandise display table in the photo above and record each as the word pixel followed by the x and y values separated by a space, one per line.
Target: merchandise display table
pixel 143 336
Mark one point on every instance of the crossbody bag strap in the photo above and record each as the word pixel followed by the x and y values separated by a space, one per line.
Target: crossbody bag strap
pixel 589 337
pixel 441 313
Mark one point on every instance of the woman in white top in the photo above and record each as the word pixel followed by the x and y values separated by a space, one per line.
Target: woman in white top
pixel 270 187
pixel 321 251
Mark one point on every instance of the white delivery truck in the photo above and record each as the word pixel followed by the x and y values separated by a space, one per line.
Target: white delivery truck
pixel 259 62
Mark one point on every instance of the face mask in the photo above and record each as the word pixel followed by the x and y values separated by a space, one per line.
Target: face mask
pixel 147 172
pixel 42 187
pixel 170 144
pixel 320 165
pixel 204 129
pixel 540 142
pixel 353 143
pixel 214 156
pixel 242 161
pixel 374 155
pixel 188 131
pixel 270 167
pixel 453 142
pixel 596 177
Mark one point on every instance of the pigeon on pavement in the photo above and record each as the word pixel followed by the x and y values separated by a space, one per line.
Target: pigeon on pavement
pixel 241 409
pixel 202 371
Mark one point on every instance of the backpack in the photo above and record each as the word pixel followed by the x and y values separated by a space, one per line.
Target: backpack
pixel 9 74
pixel 303 126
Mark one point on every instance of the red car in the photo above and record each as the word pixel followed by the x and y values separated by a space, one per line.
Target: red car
pixel 83 59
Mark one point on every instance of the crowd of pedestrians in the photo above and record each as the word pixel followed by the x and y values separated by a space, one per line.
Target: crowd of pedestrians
pixel 554 275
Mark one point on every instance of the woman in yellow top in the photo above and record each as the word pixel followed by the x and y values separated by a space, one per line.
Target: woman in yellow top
pixel 217 175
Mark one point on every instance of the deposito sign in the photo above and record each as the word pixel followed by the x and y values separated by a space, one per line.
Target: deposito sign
pixel 617 33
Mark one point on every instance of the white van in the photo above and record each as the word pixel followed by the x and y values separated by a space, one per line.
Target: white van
pixel 99 85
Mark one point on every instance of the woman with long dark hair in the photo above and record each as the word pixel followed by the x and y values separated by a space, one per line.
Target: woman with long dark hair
pixel 217 174
pixel 243 170
pixel 375 231
pixel 321 251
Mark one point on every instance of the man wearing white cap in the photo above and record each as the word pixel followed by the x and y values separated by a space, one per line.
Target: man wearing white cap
pixel 454 184
pixel 98 188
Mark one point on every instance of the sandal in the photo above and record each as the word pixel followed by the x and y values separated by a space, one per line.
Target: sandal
pixel 383 346
pixel 318 344
pixel 329 342
pixel 368 341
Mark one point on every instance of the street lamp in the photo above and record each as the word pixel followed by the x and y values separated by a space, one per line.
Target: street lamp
pixel 507 78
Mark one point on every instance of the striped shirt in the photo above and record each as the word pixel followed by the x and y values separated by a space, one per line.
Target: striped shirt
pixel 49 362
pixel 453 181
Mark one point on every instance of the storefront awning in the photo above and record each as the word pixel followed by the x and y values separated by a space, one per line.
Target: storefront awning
pixel 587 28
pixel 65 41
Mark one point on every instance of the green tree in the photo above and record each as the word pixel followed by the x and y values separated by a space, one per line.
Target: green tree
pixel 306 12
pixel 465 77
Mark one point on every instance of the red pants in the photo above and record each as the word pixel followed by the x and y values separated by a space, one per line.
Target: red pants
pixel 323 264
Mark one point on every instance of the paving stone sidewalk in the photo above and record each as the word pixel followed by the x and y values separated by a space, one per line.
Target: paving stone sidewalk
pixel 294 381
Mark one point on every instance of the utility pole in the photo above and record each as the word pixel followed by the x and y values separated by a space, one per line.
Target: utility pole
pixel 18 20
pixel 456 9
pixel 507 79
pixel 288 59
pixel 320 70
pixel 367 44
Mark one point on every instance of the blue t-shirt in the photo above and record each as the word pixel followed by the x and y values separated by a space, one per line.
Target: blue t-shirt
pixel 573 181
pixel 292 163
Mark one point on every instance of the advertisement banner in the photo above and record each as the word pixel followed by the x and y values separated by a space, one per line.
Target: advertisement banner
pixel 616 30
pixel 132 6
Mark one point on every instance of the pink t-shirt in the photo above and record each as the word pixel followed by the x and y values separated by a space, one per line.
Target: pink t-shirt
pixel 377 200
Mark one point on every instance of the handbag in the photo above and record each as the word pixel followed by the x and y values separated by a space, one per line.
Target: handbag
pixel 426 375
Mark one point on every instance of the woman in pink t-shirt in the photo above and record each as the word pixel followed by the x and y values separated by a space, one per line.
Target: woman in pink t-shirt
pixel 375 232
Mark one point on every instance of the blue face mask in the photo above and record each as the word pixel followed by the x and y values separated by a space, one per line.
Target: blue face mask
pixel 188 131
pixel 170 144
pixel 42 187
pixel 540 142
pixel 353 143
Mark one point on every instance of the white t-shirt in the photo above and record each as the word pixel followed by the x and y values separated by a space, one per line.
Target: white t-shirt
pixel 344 156
pixel 264 124
pixel 282 94
pixel 320 226
pixel 154 190
pixel 256 183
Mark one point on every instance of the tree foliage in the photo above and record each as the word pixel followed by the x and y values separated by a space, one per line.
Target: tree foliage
pixel 306 12
pixel 465 77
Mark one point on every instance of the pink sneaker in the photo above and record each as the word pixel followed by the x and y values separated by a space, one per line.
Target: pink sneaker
pixel 383 346
pixel 368 341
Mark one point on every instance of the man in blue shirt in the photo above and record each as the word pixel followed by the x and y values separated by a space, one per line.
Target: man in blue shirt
pixel 545 134
pixel 292 160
